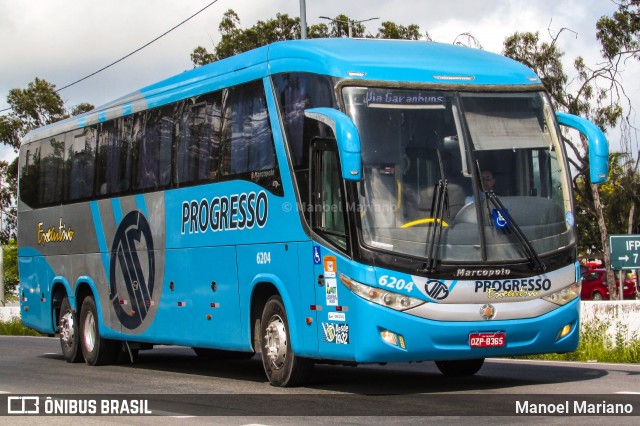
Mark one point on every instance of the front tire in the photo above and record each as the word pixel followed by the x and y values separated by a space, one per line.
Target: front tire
pixel 282 367
pixel 95 349
pixel 597 296
pixel 462 367
pixel 69 332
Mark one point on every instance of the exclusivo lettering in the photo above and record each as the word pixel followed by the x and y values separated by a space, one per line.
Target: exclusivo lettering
pixel 233 212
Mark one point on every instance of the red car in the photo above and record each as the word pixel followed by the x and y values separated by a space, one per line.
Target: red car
pixel 594 286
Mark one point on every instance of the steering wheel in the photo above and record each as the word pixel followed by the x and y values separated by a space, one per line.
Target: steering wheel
pixel 423 221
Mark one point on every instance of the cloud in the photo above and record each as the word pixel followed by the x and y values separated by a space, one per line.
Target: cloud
pixel 65 40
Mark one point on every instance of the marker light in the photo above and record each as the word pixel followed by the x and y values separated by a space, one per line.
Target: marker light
pixel 564 296
pixel 390 299
pixel 565 330
pixel 389 337
pixel 454 77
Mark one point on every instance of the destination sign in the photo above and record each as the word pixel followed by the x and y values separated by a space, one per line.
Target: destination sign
pixel 385 98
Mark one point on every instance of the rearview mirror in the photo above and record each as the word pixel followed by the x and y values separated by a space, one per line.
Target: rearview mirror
pixel 598 146
pixel 347 138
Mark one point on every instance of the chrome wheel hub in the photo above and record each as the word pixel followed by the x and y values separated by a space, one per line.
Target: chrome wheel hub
pixel 276 342
pixel 67 334
pixel 89 331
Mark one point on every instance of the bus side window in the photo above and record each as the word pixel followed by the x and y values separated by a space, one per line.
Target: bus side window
pixel 247 145
pixel 153 139
pixel 249 142
pixel 30 173
pixel 51 161
pixel 80 160
pixel 112 159
pixel 296 92
pixel 328 217
pixel 198 139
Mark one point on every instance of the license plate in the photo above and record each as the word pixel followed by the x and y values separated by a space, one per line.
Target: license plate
pixel 487 340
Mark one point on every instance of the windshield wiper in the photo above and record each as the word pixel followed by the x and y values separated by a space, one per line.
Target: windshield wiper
pixel 528 249
pixel 439 204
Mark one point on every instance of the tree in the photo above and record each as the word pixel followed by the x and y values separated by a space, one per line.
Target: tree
pixel 10 267
pixel 595 93
pixel 619 35
pixel 8 185
pixel 619 197
pixel 36 106
pixel 391 30
pixel 235 40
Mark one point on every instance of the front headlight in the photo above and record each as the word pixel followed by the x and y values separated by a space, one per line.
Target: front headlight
pixel 565 295
pixel 392 300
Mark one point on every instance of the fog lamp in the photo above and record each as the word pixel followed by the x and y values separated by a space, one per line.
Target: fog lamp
pixel 389 337
pixel 565 330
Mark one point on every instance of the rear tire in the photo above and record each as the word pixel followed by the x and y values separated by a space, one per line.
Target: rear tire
pixel 282 367
pixel 69 332
pixel 597 296
pixel 462 367
pixel 95 349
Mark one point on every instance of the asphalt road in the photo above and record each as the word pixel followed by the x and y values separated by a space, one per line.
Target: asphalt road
pixel 177 384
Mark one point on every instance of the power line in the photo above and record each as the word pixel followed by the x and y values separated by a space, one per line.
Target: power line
pixel 134 52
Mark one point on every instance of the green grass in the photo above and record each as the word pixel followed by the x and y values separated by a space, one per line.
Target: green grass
pixel 16 328
pixel 598 345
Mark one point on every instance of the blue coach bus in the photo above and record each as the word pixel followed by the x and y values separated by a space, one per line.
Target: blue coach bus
pixel 335 200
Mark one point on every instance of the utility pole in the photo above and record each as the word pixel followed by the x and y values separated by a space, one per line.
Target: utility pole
pixel 303 19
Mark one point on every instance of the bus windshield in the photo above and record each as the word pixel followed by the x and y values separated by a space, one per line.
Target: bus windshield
pixel 433 161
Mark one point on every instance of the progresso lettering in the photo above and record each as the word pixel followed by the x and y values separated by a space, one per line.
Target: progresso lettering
pixel 233 212
pixel 527 284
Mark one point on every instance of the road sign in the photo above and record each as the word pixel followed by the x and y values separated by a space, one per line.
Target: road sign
pixel 625 251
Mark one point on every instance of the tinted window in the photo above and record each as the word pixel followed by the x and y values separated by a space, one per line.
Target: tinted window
pixel 51 162
pixel 29 173
pixel 113 157
pixel 152 141
pixel 198 139
pixel 295 93
pixel 80 162
pixel 221 135
pixel 246 132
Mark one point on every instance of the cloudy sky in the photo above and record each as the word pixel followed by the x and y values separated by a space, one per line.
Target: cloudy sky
pixel 64 40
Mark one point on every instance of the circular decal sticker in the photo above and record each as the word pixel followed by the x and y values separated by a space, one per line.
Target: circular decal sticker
pixel 569 219
pixel 132 270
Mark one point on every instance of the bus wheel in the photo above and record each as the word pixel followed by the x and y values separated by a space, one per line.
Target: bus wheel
pixel 282 366
pixel 69 335
pixel 95 349
pixel 463 367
